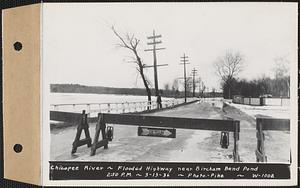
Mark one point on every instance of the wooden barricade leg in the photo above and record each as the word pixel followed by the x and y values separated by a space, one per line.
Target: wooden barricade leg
pixel 87 132
pixel 83 125
pixel 260 151
pixel 236 135
pixel 104 142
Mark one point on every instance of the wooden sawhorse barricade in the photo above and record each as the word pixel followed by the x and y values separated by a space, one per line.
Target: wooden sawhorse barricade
pixel 160 121
pixel 80 120
pixel 267 124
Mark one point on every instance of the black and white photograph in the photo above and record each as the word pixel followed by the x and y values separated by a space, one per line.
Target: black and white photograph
pixel 160 84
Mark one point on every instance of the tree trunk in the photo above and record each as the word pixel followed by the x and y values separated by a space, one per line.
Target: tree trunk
pixel 132 44
pixel 141 70
pixel 147 88
pixel 288 89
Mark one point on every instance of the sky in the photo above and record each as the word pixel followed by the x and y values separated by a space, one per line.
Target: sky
pixel 79 46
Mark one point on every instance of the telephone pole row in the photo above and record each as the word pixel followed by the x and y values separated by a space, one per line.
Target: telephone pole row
pixel 194 73
pixel 153 42
pixel 184 59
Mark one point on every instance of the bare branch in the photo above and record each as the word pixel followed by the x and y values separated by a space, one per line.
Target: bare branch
pixel 229 66
pixel 124 44
pixel 131 42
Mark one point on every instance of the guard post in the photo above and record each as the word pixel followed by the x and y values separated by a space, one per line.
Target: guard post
pixel 236 136
pixel 100 127
pixel 267 124
pixel 83 125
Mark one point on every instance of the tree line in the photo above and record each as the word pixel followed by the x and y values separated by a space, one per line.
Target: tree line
pixel 231 64
pixel 77 88
pixel 266 86
pixel 171 92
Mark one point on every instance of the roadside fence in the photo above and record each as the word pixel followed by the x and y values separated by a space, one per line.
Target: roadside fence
pixel 92 109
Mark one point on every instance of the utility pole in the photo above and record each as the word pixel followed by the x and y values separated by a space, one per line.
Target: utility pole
pixel 184 59
pixel 194 73
pixel 153 43
pixel 200 87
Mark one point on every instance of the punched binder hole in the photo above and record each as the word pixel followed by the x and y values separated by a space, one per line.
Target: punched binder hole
pixel 18 46
pixel 18 148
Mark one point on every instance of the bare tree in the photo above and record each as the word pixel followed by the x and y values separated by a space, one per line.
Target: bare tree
pixel 189 84
pixel 175 87
pixel 202 87
pixel 131 43
pixel 228 67
pixel 167 86
pixel 282 74
pixel 281 68
pixel 213 92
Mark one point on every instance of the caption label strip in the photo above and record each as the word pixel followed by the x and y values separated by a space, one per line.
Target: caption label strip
pixel 121 170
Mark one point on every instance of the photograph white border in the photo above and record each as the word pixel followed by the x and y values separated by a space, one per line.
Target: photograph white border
pixel 45 139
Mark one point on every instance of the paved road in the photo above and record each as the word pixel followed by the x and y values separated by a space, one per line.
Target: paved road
pixel 188 146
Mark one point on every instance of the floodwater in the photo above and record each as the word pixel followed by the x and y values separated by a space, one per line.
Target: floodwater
pixel 75 98
pixel 95 103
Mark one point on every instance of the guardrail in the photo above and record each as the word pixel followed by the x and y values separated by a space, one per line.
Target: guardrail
pixel 92 109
